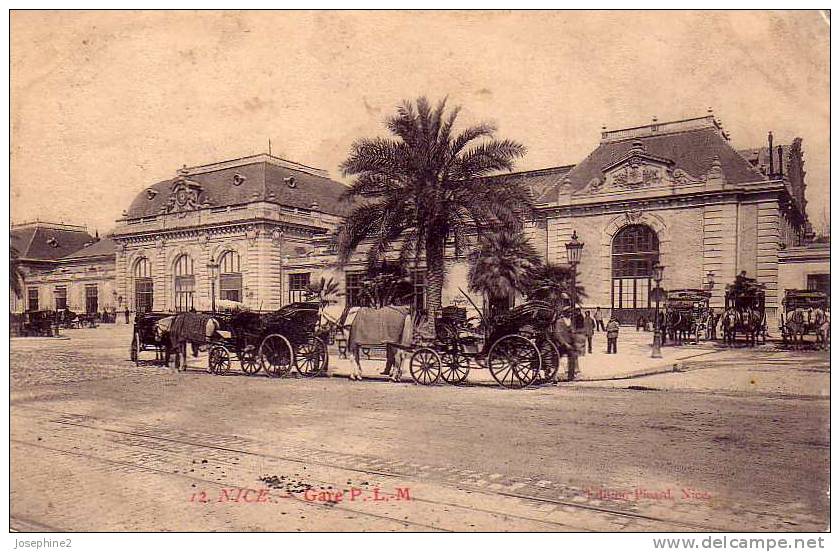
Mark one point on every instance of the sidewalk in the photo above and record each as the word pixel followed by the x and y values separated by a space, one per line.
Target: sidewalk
pixel 633 357
pixel 633 360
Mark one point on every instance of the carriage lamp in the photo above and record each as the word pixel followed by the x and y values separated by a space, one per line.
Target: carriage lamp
pixel 710 277
pixel 656 348
pixel 213 268
pixel 573 251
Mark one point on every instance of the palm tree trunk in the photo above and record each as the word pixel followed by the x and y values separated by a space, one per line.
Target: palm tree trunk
pixel 434 277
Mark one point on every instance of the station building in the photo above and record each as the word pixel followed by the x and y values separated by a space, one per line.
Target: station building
pixel 257 229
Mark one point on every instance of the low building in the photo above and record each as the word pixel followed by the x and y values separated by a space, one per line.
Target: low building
pixel 63 266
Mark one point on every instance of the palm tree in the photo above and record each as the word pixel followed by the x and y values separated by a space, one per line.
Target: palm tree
pixel 422 189
pixel 552 283
pixel 501 266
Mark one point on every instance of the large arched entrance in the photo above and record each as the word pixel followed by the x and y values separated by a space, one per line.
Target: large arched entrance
pixel 635 249
pixel 144 288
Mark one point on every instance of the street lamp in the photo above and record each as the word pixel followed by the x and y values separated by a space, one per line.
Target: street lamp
pixel 656 351
pixel 710 277
pixel 573 251
pixel 213 268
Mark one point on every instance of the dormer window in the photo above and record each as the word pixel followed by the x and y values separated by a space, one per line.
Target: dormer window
pixel 52 242
pixel 150 194
pixel 238 179
pixel 290 181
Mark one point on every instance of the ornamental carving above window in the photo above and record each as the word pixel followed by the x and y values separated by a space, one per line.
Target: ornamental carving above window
pixel 185 196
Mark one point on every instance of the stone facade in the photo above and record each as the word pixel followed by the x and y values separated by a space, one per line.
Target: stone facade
pixel 704 210
pixel 205 217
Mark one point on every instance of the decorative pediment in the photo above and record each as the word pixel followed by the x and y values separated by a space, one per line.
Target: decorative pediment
pixel 184 197
pixel 638 169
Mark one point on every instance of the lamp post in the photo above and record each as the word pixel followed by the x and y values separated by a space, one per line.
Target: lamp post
pixel 213 268
pixel 656 351
pixel 573 251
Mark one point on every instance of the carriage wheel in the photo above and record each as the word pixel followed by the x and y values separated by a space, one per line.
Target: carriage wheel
pixel 276 355
pixel 135 349
pixel 514 361
pixel 456 366
pixel 425 366
pixel 218 361
pixel 311 357
pixel 552 361
pixel 248 361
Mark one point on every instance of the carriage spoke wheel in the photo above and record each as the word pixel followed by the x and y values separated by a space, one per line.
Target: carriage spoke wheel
pixel 248 361
pixel 455 368
pixel 552 361
pixel 276 355
pixel 514 361
pixel 311 357
pixel 425 366
pixel 135 349
pixel 218 360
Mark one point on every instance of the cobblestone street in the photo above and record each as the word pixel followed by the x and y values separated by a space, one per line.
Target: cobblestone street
pixel 101 444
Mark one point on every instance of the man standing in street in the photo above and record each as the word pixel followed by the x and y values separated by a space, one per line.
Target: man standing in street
pixel 126 315
pixel 599 319
pixel 612 337
pixel 588 330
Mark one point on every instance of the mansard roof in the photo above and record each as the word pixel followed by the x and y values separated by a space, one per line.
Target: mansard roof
pixel 691 147
pixel 43 241
pixel 543 183
pixel 240 181
pixel 102 248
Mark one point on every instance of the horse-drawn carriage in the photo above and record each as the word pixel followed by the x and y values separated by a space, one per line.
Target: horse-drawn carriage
pixel 517 347
pixel 39 324
pixel 273 342
pixel 744 311
pixel 803 313
pixel 149 336
pixel 686 314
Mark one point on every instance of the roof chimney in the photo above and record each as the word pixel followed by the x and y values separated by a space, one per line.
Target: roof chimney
pixel 770 150
pixel 781 162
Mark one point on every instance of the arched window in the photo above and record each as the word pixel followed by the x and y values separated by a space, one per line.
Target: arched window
pixel 144 288
pixel 184 283
pixel 230 276
pixel 635 250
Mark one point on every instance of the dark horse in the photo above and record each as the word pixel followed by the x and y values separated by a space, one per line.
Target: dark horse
pixel 193 327
pixel 749 321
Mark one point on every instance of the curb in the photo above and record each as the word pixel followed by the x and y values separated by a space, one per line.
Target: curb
pixel 662 369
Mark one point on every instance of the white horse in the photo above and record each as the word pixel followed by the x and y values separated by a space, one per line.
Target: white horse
pixel 390 326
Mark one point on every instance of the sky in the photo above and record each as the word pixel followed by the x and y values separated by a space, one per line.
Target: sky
pixel 105 104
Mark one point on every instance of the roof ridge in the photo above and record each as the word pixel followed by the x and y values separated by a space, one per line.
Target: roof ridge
pixel 544 170
pixel 31 239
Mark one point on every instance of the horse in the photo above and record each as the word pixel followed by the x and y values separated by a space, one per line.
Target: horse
pixel 824 331
pixel 794 327
pixel 674 324
pixel 729 324
pixel 184 327
pixel 752 324
pixel 390 326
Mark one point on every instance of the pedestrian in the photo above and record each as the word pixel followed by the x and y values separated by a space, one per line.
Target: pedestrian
pixel 612 337
pixel 599 319
pixel 126 314
pixel 565 340
pixel 588 330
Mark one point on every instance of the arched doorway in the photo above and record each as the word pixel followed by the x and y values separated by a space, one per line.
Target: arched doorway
pixel 184 283
pixel 635 249
pixel 230 277
pixel 144 288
